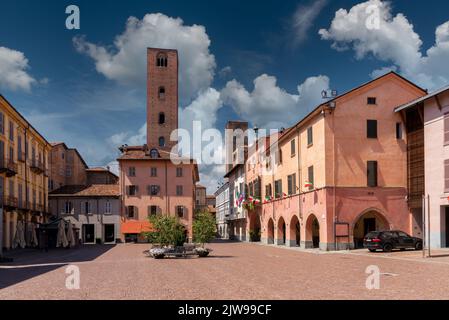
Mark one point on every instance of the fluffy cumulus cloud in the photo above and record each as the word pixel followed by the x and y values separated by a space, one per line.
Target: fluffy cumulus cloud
pixel 370 28
pixel 13 70
pixel 125 61
pixel 270 106
pixel 129 137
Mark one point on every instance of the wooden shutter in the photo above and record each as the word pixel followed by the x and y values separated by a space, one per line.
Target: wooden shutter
pixel 446 175
pixel 310 172
pixel 446 129
pixel 310 136
pixel 372 173
pixel 371 129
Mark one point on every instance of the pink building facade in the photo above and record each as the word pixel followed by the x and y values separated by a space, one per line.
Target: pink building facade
pixel 428 119
pixel 338 173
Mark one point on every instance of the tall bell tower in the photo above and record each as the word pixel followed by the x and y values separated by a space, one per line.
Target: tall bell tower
pixel 162 97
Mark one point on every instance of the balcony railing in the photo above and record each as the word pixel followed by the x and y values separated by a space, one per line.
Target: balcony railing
pixel 8 166
pixel 37 166
pixel 9 201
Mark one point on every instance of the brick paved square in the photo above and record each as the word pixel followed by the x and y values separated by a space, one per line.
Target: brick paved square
pixel 234 271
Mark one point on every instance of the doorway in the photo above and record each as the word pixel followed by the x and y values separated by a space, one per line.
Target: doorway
pixel 446 232
pixel 369 224
pixel 109 233
pixel 88 233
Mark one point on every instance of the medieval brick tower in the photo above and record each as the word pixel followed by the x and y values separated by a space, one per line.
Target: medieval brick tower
pixel 162 97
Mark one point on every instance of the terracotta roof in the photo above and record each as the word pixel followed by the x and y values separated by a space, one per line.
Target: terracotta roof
pixel 200 186
pixel 94 190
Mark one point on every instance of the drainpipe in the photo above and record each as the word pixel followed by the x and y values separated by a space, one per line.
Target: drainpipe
pixel 334 182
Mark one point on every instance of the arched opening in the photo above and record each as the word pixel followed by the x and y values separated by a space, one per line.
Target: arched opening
pixel 295 232
pixel 254 227
pixel 161 60
pixel 161 93
pixel 281 236
pixel 368 221
pixel 161 118
pixel 161 142
pixel 312 232
pixel 270 232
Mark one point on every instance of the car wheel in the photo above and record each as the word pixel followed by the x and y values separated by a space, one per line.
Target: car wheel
pixel 388 247
pixel 418 246
pixel 372 250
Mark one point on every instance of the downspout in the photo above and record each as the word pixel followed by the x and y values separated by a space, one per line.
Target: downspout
pixel 334 182
pixel 167 201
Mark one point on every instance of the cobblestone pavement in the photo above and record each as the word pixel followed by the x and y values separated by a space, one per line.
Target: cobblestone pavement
pixel 234 271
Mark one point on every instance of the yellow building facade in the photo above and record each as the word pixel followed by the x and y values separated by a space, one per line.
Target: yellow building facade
pixel 23 174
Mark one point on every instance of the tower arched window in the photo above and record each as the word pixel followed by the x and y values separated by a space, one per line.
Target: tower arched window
pixel 161 118
pixel 161 93
pixel 161 60
pixel 161 142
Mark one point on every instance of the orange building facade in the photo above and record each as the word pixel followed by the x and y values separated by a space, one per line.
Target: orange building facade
pixel 337 174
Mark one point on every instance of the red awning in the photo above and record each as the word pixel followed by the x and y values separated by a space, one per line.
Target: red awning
pixel 135 227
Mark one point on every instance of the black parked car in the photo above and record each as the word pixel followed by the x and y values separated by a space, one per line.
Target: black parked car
pixel 389 240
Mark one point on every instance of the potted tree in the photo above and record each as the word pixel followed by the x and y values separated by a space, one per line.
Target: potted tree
pixel 167 232
pixel 204 230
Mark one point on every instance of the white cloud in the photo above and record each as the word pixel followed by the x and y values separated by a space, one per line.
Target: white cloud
pixel 224 72
pixel 270 106
pixel 394 41
pixel 125 62
pixel 210 176
pixel 129 137
pixel 304 17
pixel 204 108
pixel 13 70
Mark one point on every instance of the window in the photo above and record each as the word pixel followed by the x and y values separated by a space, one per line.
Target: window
pixel 2 123
pixel 291 184
pixel 132 171
pixel 268 191
pixel 372 173
pixel 161 142
pixel 161 93
pixel 152 210
pixel 154 154
pixel 87 207
pixel 132 190
pixel 20 198
pixel 19 148
pixel 11 154
pixel 68 172
pixel 311 178
pixel 278 188
pixel 371 129
pixel 371 100
pixel 179 172
pixel 309 136
pixel 161 60
pixel 161 118
pixel 446 129
pixel 132 212
pixel 446 175
pixel 68 206
pixel 107 207
pixel 62 155
pixel 292 147
pixel 398 130
pixel 153 172
pixel 180 211
pixel 179 190
pixel 153 190
pixel 11 131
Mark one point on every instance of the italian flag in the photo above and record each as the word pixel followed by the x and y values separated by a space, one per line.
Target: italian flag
pixel 308 184
pixel 256 200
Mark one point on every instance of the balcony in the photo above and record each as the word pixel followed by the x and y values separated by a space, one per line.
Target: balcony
pixel 9 202
pixel 37 166
pixel 9 167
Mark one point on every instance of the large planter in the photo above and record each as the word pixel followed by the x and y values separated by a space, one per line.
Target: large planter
pixel 157 253
pixel 202 252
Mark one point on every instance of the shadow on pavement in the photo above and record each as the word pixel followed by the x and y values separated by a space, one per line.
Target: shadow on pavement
pixel 29 263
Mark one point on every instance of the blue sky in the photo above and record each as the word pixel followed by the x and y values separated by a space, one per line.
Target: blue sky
pixel 80 87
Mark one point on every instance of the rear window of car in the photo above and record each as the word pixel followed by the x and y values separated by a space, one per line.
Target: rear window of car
pixel 372 234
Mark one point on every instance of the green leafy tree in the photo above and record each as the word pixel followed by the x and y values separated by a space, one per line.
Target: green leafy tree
pixel 166 231
pixel 204 229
